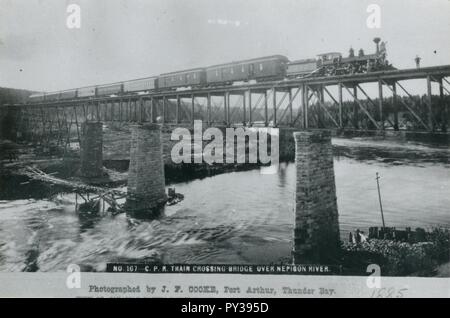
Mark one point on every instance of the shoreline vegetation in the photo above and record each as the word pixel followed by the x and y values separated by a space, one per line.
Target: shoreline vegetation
pixel 397 258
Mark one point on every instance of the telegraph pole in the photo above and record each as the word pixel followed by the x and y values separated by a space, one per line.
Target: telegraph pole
pixel 379 199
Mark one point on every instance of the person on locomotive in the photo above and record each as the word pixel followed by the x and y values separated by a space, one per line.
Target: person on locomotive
pixel 383 47
pixel 417 60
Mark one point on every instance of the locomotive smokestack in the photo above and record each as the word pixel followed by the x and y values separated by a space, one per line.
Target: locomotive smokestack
pixel 377 41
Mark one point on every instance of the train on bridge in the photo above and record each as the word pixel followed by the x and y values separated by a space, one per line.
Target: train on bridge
pixel 275 67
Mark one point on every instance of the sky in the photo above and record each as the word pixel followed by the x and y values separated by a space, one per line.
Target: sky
pixel 125 39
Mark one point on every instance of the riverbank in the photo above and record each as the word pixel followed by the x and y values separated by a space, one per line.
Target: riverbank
pixel 425 259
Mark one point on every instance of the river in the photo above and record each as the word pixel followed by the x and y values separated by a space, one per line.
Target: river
pixel 237 218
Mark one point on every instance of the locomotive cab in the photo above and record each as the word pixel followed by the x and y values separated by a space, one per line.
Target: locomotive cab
pixel 329 63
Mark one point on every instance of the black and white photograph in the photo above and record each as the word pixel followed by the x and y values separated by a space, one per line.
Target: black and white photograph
pixel 260 146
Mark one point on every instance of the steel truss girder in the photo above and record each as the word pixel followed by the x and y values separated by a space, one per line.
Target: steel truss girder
pixel 361 106
pixel 321 104
pixel 289 106
pixel 405 104
pixel 99 108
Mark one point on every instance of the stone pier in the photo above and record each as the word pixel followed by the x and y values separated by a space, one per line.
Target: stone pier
pixel 146 182
pixel 316 233
pixel 92 149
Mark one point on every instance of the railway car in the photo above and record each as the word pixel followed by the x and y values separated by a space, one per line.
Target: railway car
pixel 140 85
pixel 109 89
pixel 37 97
pixel 192 77
pixel 270 67
pixel 230 72
pixel 87 91
pixel 68 94
pixel 52 96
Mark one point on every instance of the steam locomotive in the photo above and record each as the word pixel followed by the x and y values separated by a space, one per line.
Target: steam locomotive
pixel 334 64
pixel 275 67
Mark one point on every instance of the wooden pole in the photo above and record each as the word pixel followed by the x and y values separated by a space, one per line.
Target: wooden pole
pixel 379 199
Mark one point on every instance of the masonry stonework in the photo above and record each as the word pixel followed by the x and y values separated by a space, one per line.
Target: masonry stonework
pixel 92 149
pixel 146 180
pixel 316 233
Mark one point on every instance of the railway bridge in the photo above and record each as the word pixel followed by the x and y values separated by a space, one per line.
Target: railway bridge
pixel 301 104
pixel 337 102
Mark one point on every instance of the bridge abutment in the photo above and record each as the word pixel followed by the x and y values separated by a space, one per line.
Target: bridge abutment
pixel 146 181
pixel 316 232
pixel 92 149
